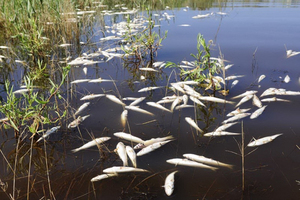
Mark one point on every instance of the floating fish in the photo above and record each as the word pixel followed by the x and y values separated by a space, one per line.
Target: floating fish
pixel 258 112
pixel 234 83
pixel 244 99
pixel 197 101
pixel 148 69
pixel 137 101
pixel 215 99
pixel 152 141
pixel 233 77
pixel 121 151
pixel 91 96
pixel 80 81
pixel 190 163
pixel 82 107
pixel 91 143
pixel 152 147
pixel 21 91
pixel 236 117
pixel 193 124
pixel 201 16
pixel 178 87
pixel 245 94
pixel 119 169
pixel 287 79
pixel 100 80
pixel 263 140
pixel 158 63
pixel 129 137
pixel 205 160
pixel 175 103
pixel 169 183
pixel 269 91
pixel 219 133
pixel 156 105
pixel 124 117
pixel 102 176
pixel 184 106
pixel 261 78
pixel 137 109
pixel 185 99
pixel 225 126
pixel 115 99
pixel 290 53
pixel 146 89
pixel 237 111
pixel 274 99
pixel 228 66
pixel 84 70
pixel 256 101
pixel 132 155
pixel 130 98
pixel 48 132
pixel 77 121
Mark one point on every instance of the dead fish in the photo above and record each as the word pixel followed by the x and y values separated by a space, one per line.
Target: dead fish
pixel 21 91
pixel 77 121
pixel 84 70
pixel 80 81
pixel 137 109
pixel 244 99
pixel 129 137
pixel 233 77
pixel 175 103
pixel 228 66
pixel 91 143
pixel 258 112
pixel 185 99
pixel 152 141
pixel 237 111
pixel 115 99
pixel 102 176
pixel 263 140
pixel 100 80
pixel 219 133
pixel 215 99
pixel 236 117
pixel 193 124
pixel 290 53
pixel 245 94
pixel 124 117
pixel 205 160
pixel 169 183
pixel 148 69
pixel 48 132
pixel 269 91
pixel 191 82
pixel 91 96
pixel 190 163
pixel 152 147
pixel 197 101
pixel 261 78
pixel 137 101
pixel 287 79
pixel 292 93
pixel 225 126
pixel 130 98
pixel 156 105
pixel 234 83
pixel 178 87
pixel 163 101
pixel 118 169
pixel 256 101
pixel 82 107
pixel 121 151
pixel 146 89
pixel 132 155
pixel 184 106
pixel 158 63
pixel 274 99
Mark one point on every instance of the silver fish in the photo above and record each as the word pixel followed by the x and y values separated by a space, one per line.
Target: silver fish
pixel 137 101
pixel 233 77
pixel 258 112
pixel 124 117
pixel 175 103
pixel 121 151
pixel 169 183
pixel 130 98
pixel 185 99
pixel 156 105
pixel 80 81
pixel 197 101
pixel 263 140
pixel 178 87
pixel 48 132
pixel 219 133
pixel 91 143
pixel 256 101
pixel 184 106
pixel 274 99
pixel 102 176
pixel 190 163
pixel 77 121
pixel 261 78
pixel 129 137
pixel 193 124
pixel 146 89
pixel 91 96
pixel 236 117
pixel 215 99
pixel 152 141
pixel 287 79
pixel 205 160
pixel 115 99
pixel 132 155
pixel 119 169
pixel 234 83
pixel 137 109
pixel 251 92
pixel 290 53
pixel 152 147
pixel 82 107
pixel 237 111
pixel 244 99
pixel 224 127
pixel 148 69
pixel 100 80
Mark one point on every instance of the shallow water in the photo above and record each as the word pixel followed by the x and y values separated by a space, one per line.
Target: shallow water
pixel 252 36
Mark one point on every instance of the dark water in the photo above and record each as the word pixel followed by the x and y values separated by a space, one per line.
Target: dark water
pixel 252 36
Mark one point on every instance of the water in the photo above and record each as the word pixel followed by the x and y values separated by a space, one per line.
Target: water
pixel 253 36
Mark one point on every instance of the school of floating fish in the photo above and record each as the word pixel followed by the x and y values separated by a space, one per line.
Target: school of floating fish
pixel 183 94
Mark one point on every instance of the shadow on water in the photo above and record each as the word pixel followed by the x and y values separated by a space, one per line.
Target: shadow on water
pixel 50 170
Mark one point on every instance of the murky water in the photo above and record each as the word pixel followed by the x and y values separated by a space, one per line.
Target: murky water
pixel 254 37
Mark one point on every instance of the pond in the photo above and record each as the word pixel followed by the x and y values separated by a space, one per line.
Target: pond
pixel 254 37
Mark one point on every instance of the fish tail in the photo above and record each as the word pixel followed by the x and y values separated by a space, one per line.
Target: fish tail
pixel 75 150
pixel 229 166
